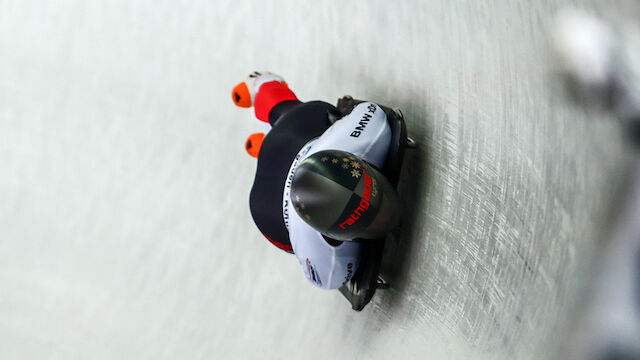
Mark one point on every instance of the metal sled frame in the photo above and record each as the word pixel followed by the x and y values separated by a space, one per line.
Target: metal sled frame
pixel 362 286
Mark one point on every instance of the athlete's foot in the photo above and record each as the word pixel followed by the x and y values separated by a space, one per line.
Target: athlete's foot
pixel 253 144
pixel 244 93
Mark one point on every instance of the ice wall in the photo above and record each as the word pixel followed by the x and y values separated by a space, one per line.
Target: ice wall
pixel 123 182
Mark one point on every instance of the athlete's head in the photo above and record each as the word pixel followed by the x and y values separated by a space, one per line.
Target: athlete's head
pixel 342 196
pixel 254 143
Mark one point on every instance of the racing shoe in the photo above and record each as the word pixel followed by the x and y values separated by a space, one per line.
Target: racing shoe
pixel 244 94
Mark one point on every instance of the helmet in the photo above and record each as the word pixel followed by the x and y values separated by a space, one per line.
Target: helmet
pixel 342 196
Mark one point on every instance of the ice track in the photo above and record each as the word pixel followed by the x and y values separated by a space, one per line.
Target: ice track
pixel 125 231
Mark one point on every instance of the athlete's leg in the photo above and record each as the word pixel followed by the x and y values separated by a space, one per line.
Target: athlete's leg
pixel 300 123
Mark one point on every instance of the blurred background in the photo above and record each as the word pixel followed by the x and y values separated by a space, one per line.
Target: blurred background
pixel 125 228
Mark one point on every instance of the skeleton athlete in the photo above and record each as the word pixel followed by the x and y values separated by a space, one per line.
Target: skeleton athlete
pixel 316 186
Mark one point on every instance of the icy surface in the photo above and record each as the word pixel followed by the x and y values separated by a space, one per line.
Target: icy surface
pixel 124 183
